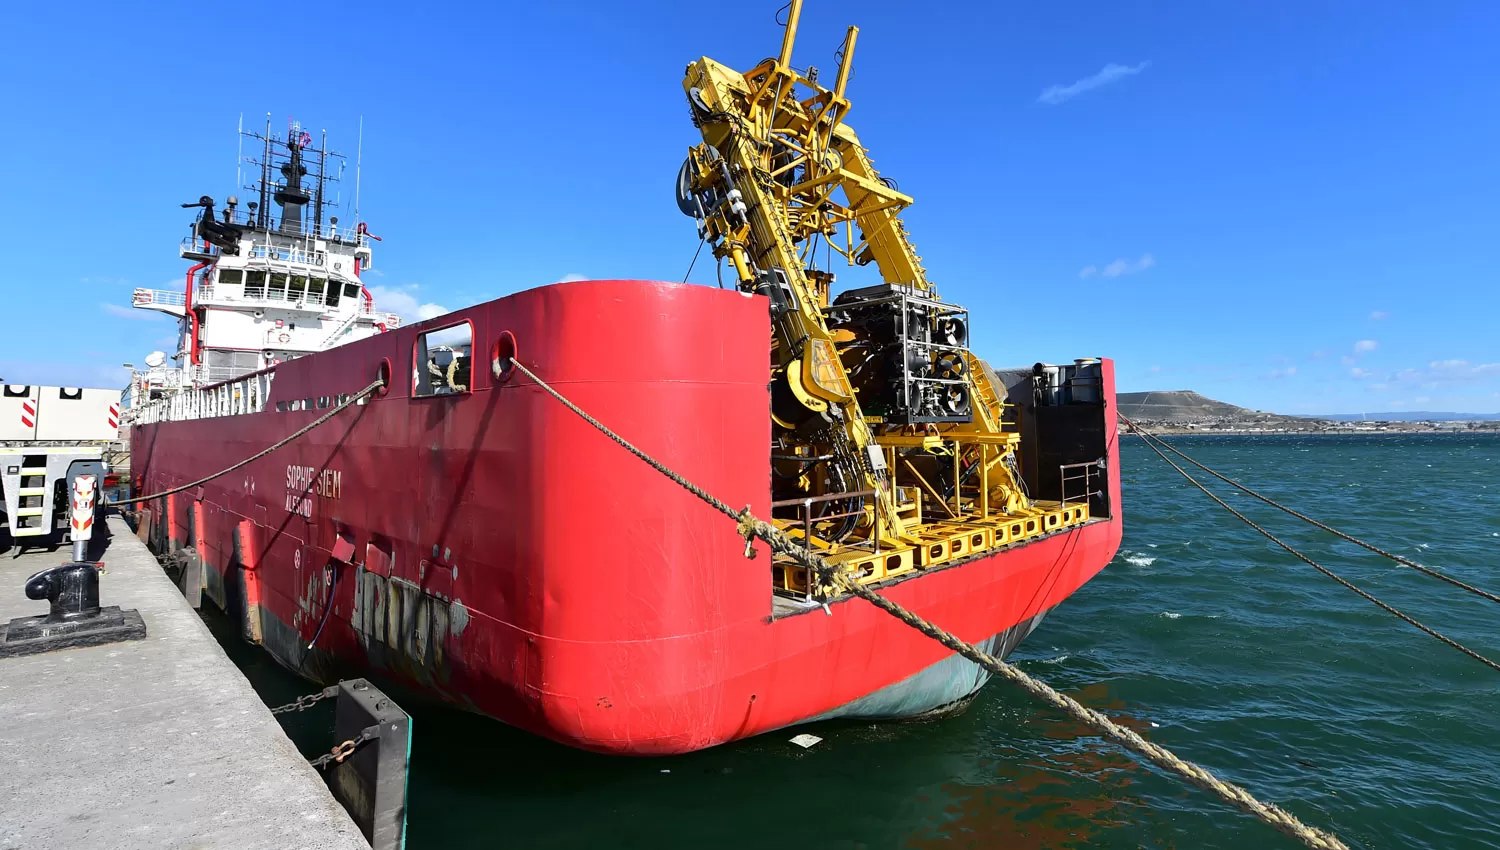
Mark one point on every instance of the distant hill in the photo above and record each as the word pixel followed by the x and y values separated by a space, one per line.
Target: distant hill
pixel 1408 416
pixel 1177 406
pixel 1192 411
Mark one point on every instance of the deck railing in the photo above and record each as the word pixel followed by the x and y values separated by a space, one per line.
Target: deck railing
pixel 232 397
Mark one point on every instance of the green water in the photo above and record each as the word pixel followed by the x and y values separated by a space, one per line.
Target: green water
pixel 1200 634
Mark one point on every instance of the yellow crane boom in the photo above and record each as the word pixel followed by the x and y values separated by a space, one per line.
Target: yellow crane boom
pixel 874 385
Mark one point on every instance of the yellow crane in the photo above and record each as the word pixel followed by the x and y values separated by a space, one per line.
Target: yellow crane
pixel 890 449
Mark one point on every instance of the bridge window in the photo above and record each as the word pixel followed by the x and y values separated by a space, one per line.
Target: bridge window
pixel 231 276
pixel 296 289
pixel 351 290
pixel 442 359
pixel 255 284
pixel 315 288
pixel 277 289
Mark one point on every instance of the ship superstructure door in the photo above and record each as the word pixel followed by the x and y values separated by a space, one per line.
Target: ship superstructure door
pixel 18 411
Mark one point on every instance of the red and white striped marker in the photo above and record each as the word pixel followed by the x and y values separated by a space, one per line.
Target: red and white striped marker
pixel 114 416
pixel 28 413
pixel 83 514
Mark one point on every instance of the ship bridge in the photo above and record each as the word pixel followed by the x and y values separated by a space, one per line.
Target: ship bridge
pixel 266 288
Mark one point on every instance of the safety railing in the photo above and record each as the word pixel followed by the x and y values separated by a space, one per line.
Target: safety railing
pixel 281 297
pixel 157 298
pixel 806 518
pixel 233 397
pixel 1080 476
pixel 310 229
pixel 192 245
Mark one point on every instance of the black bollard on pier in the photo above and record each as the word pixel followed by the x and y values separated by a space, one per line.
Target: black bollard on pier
pixel 75 617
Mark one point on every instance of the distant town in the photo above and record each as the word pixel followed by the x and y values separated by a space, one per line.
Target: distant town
pixel 1186 412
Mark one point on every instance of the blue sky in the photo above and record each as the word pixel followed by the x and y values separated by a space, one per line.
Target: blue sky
pixel 1290 206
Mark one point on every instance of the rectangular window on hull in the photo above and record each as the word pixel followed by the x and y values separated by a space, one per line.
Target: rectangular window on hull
pixel 441 361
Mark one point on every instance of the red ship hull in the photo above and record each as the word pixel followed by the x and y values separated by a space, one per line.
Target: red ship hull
pixel 504 556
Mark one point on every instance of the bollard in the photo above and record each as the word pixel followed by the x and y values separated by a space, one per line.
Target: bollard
pixel 75 617
pixel 71 589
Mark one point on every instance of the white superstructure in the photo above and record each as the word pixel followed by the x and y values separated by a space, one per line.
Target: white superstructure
pixel 262 290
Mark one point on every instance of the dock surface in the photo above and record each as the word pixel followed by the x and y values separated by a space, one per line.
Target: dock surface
pixel 157 743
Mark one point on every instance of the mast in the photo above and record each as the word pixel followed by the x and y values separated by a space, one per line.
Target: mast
pixel 239 153
pixel 262 219
pixel 322 166
pixel 359 156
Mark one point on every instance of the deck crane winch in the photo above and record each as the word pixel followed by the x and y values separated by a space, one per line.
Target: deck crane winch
pixel 877 403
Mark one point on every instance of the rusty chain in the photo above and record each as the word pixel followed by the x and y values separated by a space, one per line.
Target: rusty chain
pixel 346 749
pixel 307 701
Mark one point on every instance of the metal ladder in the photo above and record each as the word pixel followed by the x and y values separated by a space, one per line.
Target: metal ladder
pixel 343 326
pixel 29 480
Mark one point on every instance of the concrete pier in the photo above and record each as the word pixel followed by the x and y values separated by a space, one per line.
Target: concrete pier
pixel 158 743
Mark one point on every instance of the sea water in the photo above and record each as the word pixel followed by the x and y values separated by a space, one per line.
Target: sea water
pixel 1201 635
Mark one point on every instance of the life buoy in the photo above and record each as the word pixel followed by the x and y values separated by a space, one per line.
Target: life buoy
pixel 284 338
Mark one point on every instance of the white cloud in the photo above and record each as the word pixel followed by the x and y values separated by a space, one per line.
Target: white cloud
pixel 1378 388
pixel 1119 267
pixel 1108 74
pixel 1360 374
pixel 1440 374
pixel 1421 399
pixel 1448 371
pixel 1155 369
pixel 403 301
pixel 1347 360
pixel 1378 315
pixel 1365 346
pixel 122 312
pixel 1284 373
pixel 569 278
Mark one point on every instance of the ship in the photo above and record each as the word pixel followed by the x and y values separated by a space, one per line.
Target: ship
pixel 454 530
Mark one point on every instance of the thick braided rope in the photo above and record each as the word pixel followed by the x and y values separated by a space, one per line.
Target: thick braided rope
pixel 1145 435
pixel 1158 755
pixel 1324 570
pixel 752 527
pixel 354 399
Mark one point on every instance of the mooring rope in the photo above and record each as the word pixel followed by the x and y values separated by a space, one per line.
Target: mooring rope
pixel 1320 568
pixel 1145 435
pixel 352 400
pixel 751 527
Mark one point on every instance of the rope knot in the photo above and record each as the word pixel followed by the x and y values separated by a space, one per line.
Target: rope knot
pixel 748 526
